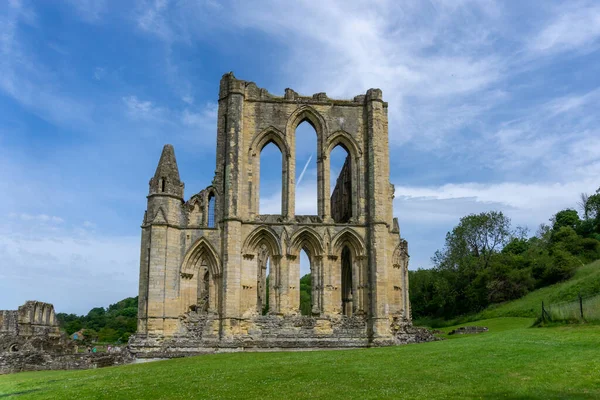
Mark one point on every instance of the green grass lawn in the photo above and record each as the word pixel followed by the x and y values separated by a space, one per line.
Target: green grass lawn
pixel 510 361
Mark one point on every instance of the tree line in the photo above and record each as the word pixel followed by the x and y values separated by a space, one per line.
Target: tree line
pixel 112 324
pixel 485 260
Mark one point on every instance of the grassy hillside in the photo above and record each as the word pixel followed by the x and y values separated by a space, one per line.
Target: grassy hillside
pixel 509 361
pixel 586 281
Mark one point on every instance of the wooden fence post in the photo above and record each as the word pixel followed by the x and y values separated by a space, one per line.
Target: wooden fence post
pixel 581 305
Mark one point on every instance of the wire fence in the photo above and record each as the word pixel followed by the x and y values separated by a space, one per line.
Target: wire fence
pixel 583 309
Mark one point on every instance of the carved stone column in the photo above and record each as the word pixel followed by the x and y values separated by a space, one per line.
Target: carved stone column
pixel 362 288
pixel 275 292
pixel 331 295
pixel 317 285
pixel 324 189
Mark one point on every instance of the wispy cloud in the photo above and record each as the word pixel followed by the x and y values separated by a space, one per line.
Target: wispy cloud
pixel 90 11
pixel 190 124
pixel 39 217
pixel 24 78
pixel 576 25
pixel 73 271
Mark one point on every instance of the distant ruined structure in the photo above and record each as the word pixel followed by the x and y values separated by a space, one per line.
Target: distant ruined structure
pixel 32 327
pixel 205 262
pixel 31 340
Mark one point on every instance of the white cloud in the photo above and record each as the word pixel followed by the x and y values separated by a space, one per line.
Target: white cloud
pixel 205 117
pixel 142 108
pixel 73 274
pixel 71 268
pixel 27 81
pixel 535 202
pixel 555 138
pixel 150 19
pixel 37 218
pixel 576 26
pixel 427 213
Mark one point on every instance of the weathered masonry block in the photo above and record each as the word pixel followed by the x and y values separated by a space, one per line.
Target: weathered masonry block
pixel 31 340
pixel 216 274
pixel 31 327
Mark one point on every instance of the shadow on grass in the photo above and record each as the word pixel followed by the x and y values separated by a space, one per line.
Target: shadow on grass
pixel 19 393
pixel 544 394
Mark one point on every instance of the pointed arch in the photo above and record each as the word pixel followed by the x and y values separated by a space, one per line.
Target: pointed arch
pixel 346 140
pixel 260 140
pixel 348 237
pixel 210 203
pixel 211 189
pixel 266 136
pixel 310 115
pixel 306 238
pixel 262 234
pixel 201 250
pixel 318 123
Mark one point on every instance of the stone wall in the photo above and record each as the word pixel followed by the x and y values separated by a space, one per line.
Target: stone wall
pixel 41 361
pixel 33 327
pixel 358 259
pixel 201 335
pixel 31 340
pixel 341 198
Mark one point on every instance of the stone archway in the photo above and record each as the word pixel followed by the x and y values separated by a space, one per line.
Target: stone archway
pixel 261 272
pixel 201 279
pixel 349 257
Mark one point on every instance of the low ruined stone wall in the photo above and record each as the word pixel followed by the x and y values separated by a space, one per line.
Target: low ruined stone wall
pixel 468 330
pixel 201 334
pixel 39 361
pixel 43 343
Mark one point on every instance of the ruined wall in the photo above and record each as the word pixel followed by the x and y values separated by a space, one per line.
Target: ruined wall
pixel 42 361
pixel 31 340
pixel 341 198
pixel 199 277
pixel 32 327
pixel 29 333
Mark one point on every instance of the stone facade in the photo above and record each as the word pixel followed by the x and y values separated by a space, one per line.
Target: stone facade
pixel 203 265
pixel 32 327
pixel 31 340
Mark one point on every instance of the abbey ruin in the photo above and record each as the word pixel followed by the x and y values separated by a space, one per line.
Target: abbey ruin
pixel 205 261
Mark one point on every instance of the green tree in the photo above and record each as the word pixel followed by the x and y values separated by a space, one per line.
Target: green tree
pixel 474 240
pixel 592 211
pixel 119 319
pixel 108 335
pixel 306 295
pixel 567 217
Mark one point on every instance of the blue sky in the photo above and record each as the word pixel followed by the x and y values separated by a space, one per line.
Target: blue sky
pixel 492 105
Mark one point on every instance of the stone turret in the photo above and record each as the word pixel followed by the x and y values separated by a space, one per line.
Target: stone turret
pixel 166 178
pixel 163 220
